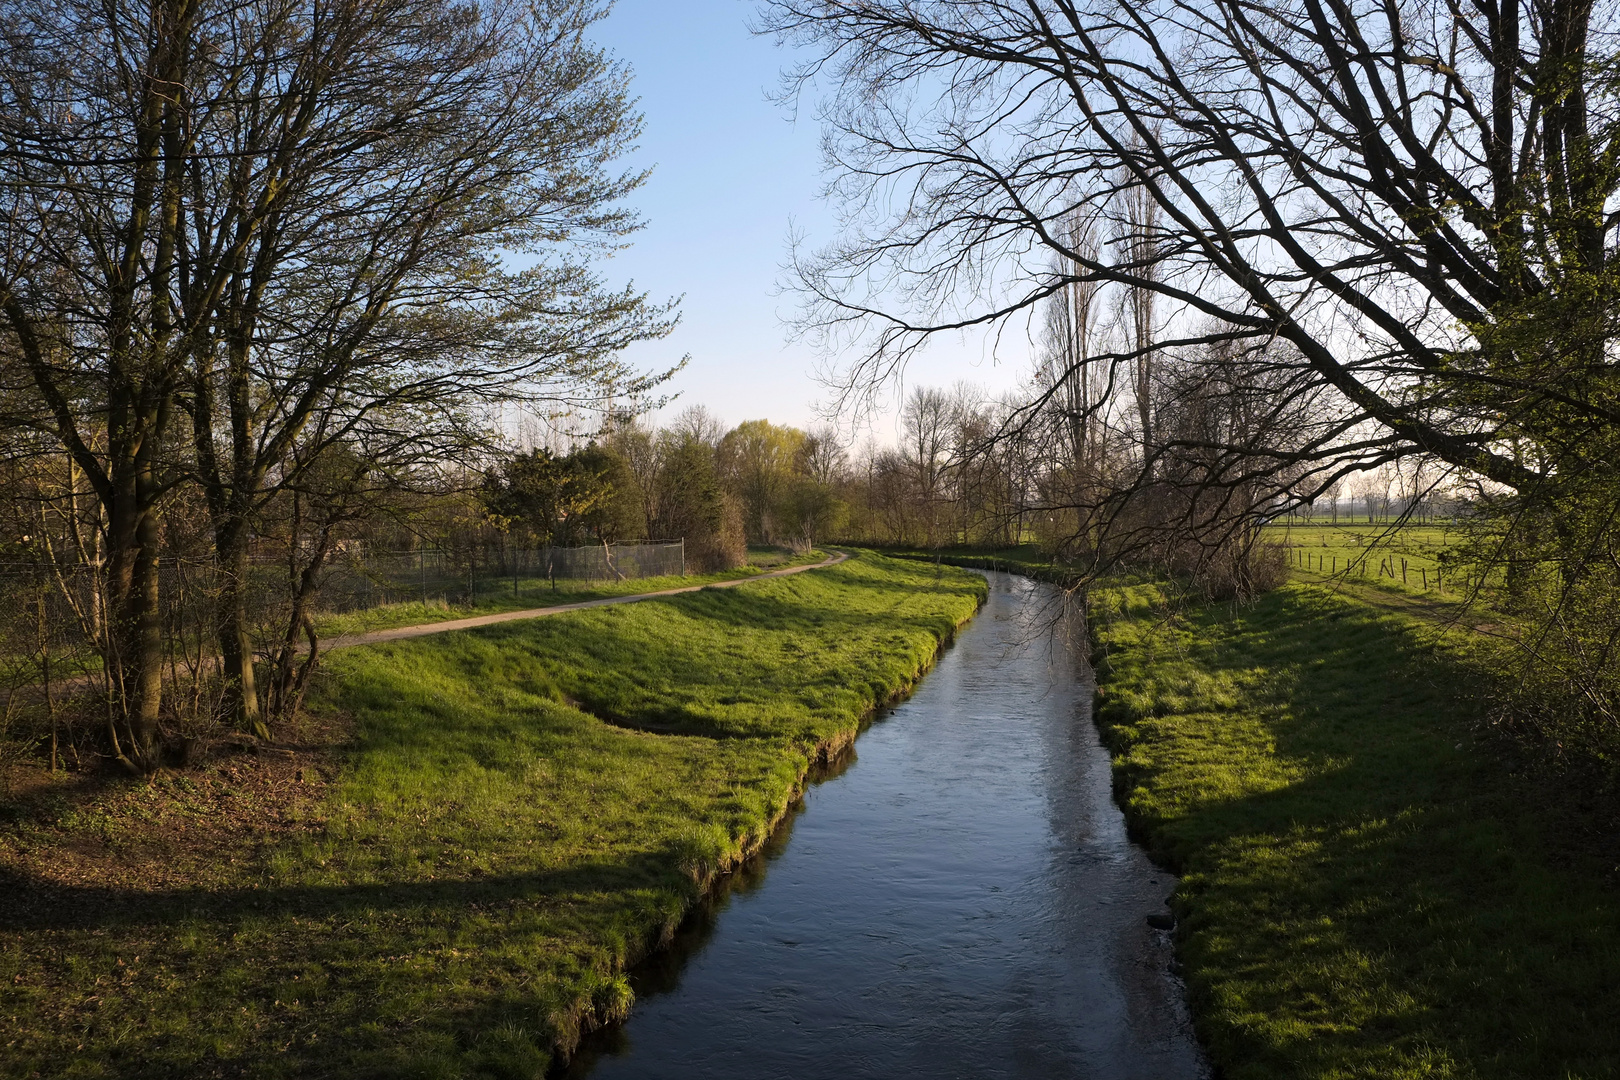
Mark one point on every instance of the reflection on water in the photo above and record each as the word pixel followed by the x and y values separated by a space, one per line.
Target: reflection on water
pixel 960 902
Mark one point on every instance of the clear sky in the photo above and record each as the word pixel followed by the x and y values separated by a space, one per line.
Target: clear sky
pixel 733 176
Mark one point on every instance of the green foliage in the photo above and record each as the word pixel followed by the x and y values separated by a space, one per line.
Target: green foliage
pixel 1552 569
pixel 1368 890
pixel 811 511
pixel 492 853
pixel 588 495
pixel 760 462
pixel 692 504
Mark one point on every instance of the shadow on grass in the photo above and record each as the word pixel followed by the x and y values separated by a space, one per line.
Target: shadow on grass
pixel 792 658
pixel 1370 889
pixel 35 905
pixel 487 859
pixel 395 979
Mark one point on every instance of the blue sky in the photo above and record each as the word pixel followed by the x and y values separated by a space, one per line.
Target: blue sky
pixel 733 176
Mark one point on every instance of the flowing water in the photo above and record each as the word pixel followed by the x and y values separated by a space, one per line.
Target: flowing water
pixel 961 901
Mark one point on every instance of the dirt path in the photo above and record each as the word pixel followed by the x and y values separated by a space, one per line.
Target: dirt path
pixel 422 629
pixel 74 683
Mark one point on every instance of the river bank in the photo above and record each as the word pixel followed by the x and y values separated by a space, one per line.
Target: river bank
pixel 453 882
pixel 958 898
pixel 1374 884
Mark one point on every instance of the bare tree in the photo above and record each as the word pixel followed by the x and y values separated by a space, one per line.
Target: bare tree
pixel 255 216
pixel 823 457
pixel 927 420
pixel 698 423
pixel 1411 200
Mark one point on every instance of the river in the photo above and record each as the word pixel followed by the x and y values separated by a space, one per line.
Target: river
pixel 960 900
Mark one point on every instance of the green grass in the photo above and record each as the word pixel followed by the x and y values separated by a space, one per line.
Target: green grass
pixel 1030 560
pixel 1399 558
pixel 496 595
pixel 492 852
pixel 1369 889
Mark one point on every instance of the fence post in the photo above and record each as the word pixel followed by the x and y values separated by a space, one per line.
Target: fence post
pixel 683 556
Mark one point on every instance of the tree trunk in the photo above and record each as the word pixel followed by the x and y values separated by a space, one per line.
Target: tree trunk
pixel 240 704
pixel 135 642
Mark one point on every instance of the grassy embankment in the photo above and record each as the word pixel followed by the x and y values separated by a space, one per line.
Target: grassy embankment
pixel 493 596
pixel 513 816
pixel 496 595
pixel 1028 560
pixel 1373 884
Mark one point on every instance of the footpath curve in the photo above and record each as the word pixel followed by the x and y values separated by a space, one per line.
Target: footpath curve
pixel 375 637
pixel 75 682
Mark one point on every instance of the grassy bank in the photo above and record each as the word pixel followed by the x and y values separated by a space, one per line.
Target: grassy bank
pixel 1027 560
pixel 499 595
pixel 1372 885
pixel 509 817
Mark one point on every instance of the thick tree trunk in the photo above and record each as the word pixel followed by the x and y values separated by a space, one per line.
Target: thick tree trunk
pixel 144 617
pixel 241 698
pixel 134 656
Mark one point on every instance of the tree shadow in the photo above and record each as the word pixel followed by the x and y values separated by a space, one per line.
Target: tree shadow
pixel 1397 899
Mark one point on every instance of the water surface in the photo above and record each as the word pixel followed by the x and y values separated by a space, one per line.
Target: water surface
pixel 961 901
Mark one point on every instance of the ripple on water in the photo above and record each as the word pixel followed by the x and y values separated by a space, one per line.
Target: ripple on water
pixel 960 900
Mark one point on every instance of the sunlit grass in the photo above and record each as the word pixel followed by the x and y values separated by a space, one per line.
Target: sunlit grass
pixel 1369 889
pixel 1401 558
pixel 492 852
pixel 495 595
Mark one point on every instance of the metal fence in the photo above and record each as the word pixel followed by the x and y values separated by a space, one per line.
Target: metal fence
pixel 372 578
pixel 46 608
pixel 53 625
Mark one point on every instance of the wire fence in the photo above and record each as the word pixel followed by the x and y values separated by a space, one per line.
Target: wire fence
pixel 57 610
pixel 354 583
pixel 55 636
pixel 356 579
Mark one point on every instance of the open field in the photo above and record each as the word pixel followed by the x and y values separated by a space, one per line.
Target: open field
pixel 495 595
pixel 483 829
pixel 1373 885
pixel 1400 558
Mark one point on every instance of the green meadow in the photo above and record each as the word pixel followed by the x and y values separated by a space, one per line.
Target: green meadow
pixel 1400 558
pixel 498 823
pixel 497 594
pixel 1373 883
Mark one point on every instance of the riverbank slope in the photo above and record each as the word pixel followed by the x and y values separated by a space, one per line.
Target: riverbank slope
pixel 1373 883
pixel 482 831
